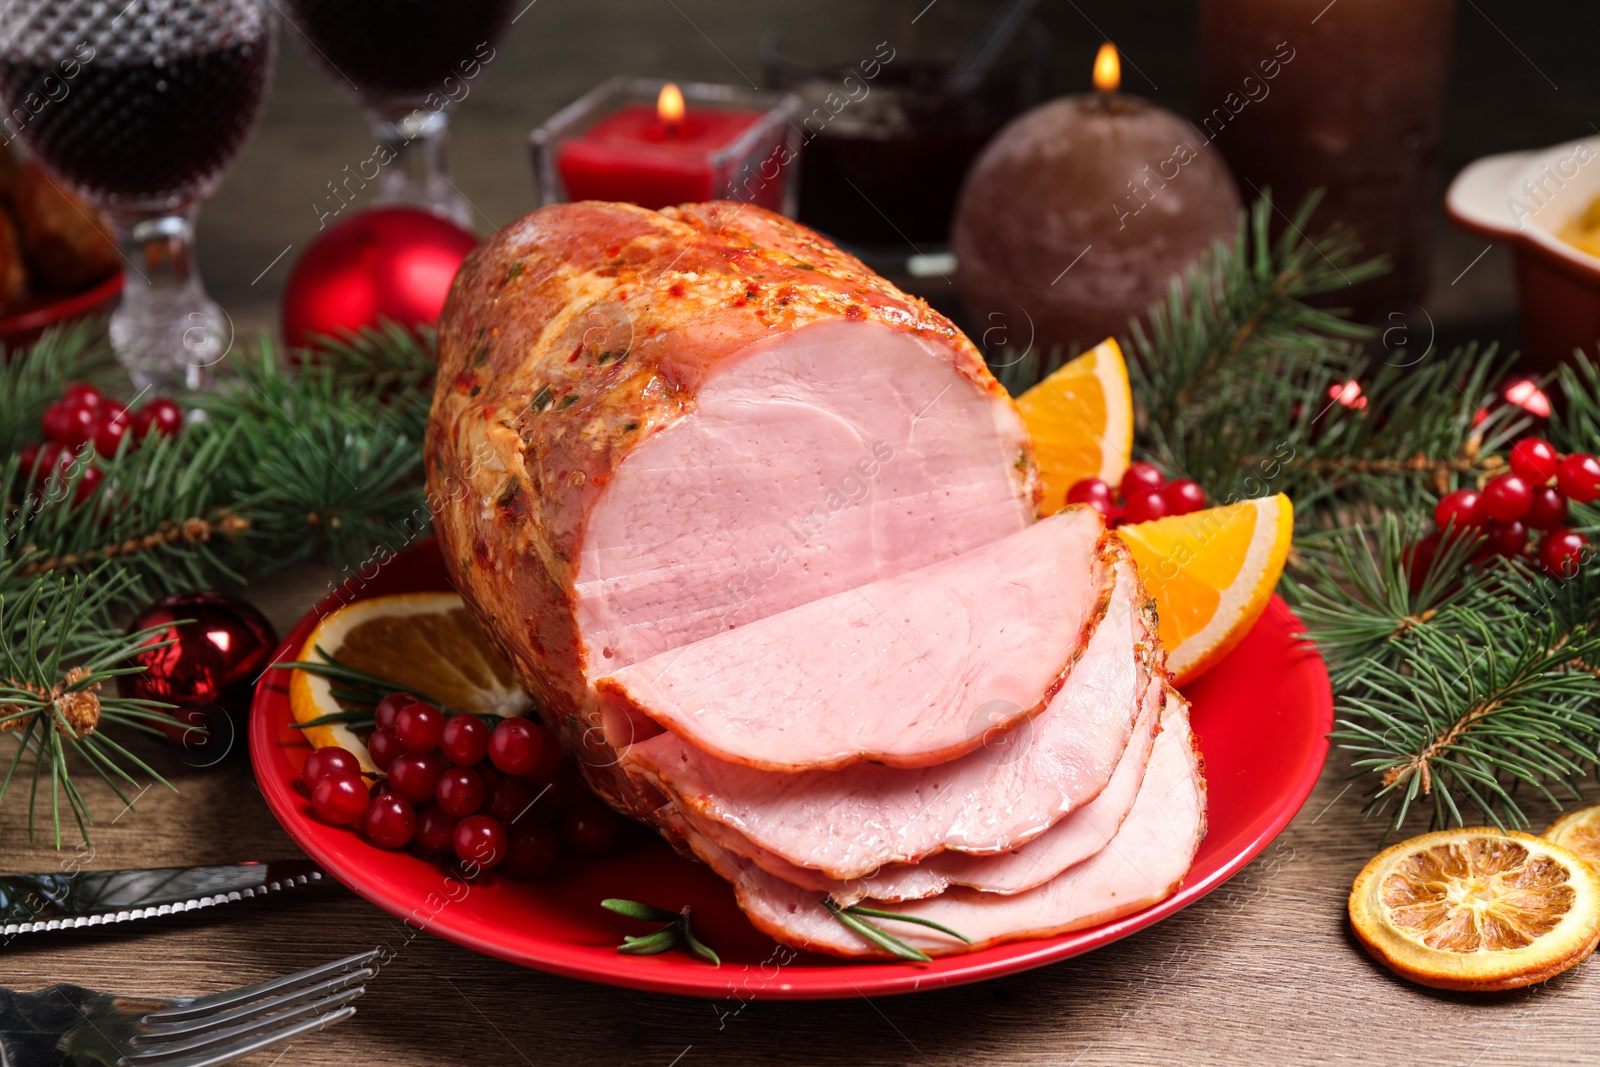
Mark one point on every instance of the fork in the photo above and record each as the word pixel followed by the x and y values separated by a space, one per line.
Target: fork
pixel 69 1025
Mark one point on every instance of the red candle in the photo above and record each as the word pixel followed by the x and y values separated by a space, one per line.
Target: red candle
pixel 659 156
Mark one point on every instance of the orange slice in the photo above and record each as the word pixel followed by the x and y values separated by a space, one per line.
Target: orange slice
pixel 1081 419
pixel 1211 574
pixel 1579 831
pixel 1477 909
pixel 426 643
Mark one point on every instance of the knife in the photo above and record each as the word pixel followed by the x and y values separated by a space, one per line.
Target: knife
pixel 33 902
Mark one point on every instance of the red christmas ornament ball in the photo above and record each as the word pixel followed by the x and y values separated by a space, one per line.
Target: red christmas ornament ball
pixel 389 263
pixel 208 669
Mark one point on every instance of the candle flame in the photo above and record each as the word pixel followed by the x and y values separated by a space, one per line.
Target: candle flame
pixel 669 105
pixel 1107 68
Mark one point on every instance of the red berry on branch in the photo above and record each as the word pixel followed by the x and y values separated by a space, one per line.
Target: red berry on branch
pixel 390 821
pixel 1562 551
pixel 435 831
pixel 162 415
pixel 1463 508
pixel 383 746
pixel 419 727
pixel 1506 538
pixel 1093 492
pixel 531 852
pixel 389 708
pixel 1141 478
pixel 1548 509
pixel 339 797
pixel 82 395
pixel 460 791
pixel 1145 506
pixel 1578 477
pixel 516 746
pixel 465 740
pixel 67 425
pixel 114 424
pixel 88 484
pixel 415 775
pixel 1535 459
pixel 1507 497
pixel 327 760
pixel 479 839
pixel 1183 496
pixel 1418 559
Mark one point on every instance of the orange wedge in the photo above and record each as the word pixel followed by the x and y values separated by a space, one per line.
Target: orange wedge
pixel 1211 574
pixel 426 643
pixel 1477 909
pixel 1081 419
pixel 1579 831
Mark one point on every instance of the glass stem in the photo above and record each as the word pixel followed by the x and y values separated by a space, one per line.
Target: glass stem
pixel 411 155
pixel 166 331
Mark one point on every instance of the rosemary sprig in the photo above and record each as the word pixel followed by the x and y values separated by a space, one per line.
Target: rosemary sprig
pixel 678 930
pixel 850 917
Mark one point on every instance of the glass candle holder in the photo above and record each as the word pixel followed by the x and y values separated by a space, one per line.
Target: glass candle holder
pixel 637 140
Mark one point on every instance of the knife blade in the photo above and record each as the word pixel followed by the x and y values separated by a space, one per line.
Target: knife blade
pixel 30 903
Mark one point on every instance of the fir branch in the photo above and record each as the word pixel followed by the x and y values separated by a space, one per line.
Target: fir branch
pixel 31 379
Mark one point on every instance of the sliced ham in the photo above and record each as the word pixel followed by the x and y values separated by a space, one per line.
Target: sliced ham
pixel 652 426
pixel 848 824
pixel 1143 864
pixel 909 671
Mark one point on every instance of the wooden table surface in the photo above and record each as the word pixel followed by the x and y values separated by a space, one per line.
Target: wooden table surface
pixel 1262 971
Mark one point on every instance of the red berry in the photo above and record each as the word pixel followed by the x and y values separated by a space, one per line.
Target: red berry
pixel 162 415
pixel 339 797
pixel 1418 559
pixel 41 461
pixel 1183 496
pixel 419 727
pixel 82 395
pixel 531 852
pixel 1548 510
pixel 479 839
pixel 326 761
pixel 415 775
pixel 1463 508
pixel 465 740
pixel 1578 477
pixel 511 802
pixel 516 746
pixel 1535 460
pixel 550 758
pixel 435 832
pixel 1093 492
pixel 1506 538
pixel 384 746
pixel 113 425
pixel 1507 497
pixel 590 828
pixel 389 707
pixel 1562 551
pixel 390 822
pixel 88 484
pixel 1140 478
pixel 68 425
pixel 460 791
pixel 1145 507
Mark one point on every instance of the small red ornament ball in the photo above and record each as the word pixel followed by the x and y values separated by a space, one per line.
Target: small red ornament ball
pixel 208 670
pixel 389 263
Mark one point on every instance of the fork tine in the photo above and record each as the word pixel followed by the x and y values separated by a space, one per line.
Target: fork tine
pixel 254 1009
pixel 231 997
pixel 165 1051
pixel 214 1056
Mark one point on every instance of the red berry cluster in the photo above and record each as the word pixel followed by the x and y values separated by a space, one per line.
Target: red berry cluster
pixel 491 796
pixel 1146 495
pixel 85 417
pixel 1531 496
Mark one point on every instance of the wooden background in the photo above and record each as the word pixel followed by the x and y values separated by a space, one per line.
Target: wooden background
pixel 1262 971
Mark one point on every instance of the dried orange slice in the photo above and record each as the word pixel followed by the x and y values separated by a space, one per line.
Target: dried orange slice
pixel 427 643
pixel 1211 574
pixel 1081 419
pixel 1579 831
pixel 1477 909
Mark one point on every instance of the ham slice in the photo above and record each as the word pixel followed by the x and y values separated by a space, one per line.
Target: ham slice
pixel 908 672
pixel 650 427
pixel 847 824
pixel 1143 864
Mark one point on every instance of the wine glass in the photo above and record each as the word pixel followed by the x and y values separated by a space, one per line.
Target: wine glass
pixel 140 107
pixel 408 62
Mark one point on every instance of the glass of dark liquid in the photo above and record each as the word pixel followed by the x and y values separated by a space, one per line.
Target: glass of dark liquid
pixel 408 62
pixel 140 108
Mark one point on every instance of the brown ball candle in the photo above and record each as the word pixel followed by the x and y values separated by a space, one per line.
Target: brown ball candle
pixel 1079 213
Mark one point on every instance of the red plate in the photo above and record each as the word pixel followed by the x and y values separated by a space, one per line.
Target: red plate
pixel 24 325
pixel 1262 716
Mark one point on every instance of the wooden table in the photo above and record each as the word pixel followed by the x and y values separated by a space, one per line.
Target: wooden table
pixel 1262 971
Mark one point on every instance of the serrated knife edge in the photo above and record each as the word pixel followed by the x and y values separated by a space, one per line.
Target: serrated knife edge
pixel 306 876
